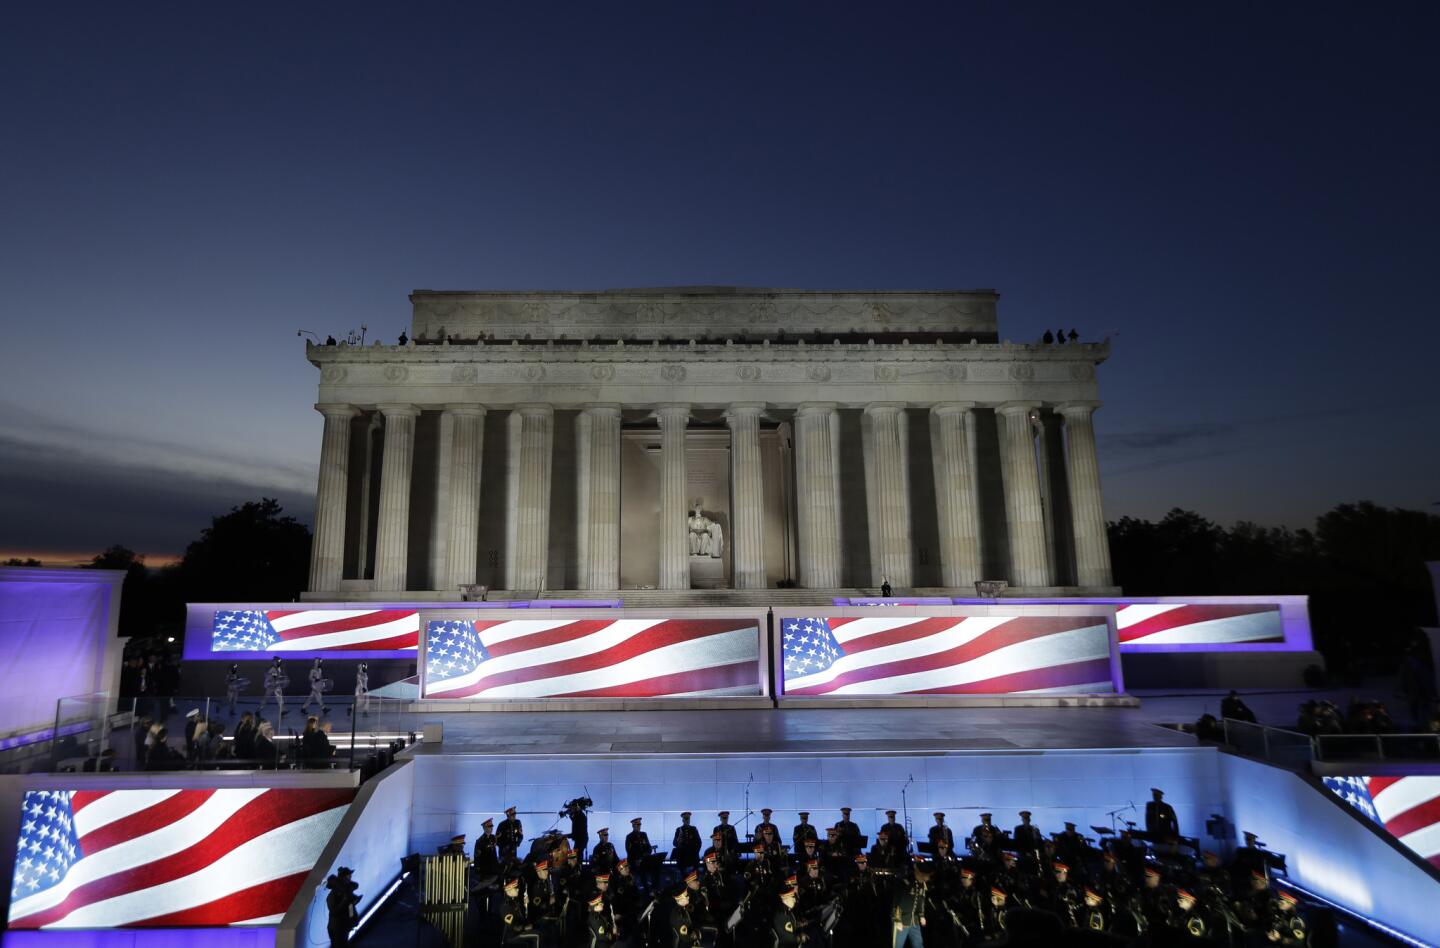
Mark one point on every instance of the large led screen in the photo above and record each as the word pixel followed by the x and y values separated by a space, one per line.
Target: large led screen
pixel 167 858
pixel 1408 808
pixel 592 658
pixel 1210 623
pixel 873 656
pixel 250 630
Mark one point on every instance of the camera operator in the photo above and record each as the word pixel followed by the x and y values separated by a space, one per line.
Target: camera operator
pixel 578 812
pixel 341 904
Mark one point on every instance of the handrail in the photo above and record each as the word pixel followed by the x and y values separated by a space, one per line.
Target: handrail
pixel 1283 745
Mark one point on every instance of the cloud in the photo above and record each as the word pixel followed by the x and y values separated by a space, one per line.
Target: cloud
pixel 1160 439
pixel 68 492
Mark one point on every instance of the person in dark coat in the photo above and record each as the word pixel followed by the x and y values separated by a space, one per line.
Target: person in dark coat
pixel 1160 820
pixel 340 903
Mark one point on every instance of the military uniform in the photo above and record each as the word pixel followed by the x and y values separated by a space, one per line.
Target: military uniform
pixel 907 914
pixel 682 931
pixel 985 839
pixel 638 850
pixel 602 857
pixel 728 836
pixel 785 927
pixel 509 835
pixel 802 831
pixel 848 833
pixel 486 862
pixel 685 847
pixel 940 831
pixel 898 837
pixel 515 927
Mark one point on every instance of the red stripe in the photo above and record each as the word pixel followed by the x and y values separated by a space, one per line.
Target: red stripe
pixel 1191 614
pixel 1380 783
pixel 1009 633
pixel 80 799
pixel 404 640
pixel 339 625
pixel 258 901
pixel 1416 818
pixel 1054 676
pixel 669 632
pixel 701 679
pixel 568 632
pixel 144 821
pixel 918 629
pixel 270 810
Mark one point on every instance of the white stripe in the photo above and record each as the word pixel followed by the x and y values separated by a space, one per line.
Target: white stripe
pixel 1061 648
pixel 298 620
pixel 280 852
pixel 515 628
pixel 1245 628
pixel 262 920
pixel 141 850
pixel 967 630
pixel 117 805
pixel 600 640
pixel 407 625
pixel 1425 842
pixel 720 649
pixel 1405 794
pixel 849 631
pixel 1086 688
pixel 1127 616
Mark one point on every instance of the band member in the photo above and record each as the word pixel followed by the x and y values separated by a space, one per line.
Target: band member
pixel 1095 916
pixel 907 909
pixel 317 688
pixel 600 923
pixel 515 927
pixel 885 854
pixel 898 837
pixel 802 831
pixel 232 687
pixel 985 839
pixel 784 924
pixel 509 835
pixel 765 824
pixel 274 686
pixel 1284 925
pixel 486 862
pixel 1064 897
pixel 849 834
pixel 602 857
pixel 685 847
pixel 638 850
pixel 996 921
pixel 683 933
pixel 940 831
pixel 730 840
pixel 1160 820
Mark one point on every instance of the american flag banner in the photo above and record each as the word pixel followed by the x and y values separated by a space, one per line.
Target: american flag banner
pixel 1209 623
pixel 1408 808
pixel 934 655
pixel 312 630
pixel 167 858
pixel 592 658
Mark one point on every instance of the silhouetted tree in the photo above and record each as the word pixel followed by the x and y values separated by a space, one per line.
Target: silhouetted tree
pixel 252 553
pixel 137 609
pixel 17 561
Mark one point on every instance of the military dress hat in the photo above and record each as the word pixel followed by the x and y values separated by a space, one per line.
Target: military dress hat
pixel 889 812
pixel 458 838
pixel 845 810
pixel 602 877
pixel 1152 871
pixel 791 879
pixel 686 813
pixel 996 890
pixel 1025 813
pixel 605 831
pixel 487 823
pixel 622 861
pixel 1157 790
pixel 967 872
pixel 635 822
pixel 512 883
pixel 692 874
pixel 939 814
pixel 788 890
pixel 1091 893
pixel 766 810
pixel 1008 854
pixel 1061 867
pixel 717 835
pixel 676 892
pixel 1184 894
pixel 542 864
pixel 861 858
pixel 986 816
pixel 812 864
pixel 597 899
pixel 805 814
pixel 1287 896
pixel 723 814
pixel 711 854
pixel 1069 825
pixel 509 811
pixel 1259 874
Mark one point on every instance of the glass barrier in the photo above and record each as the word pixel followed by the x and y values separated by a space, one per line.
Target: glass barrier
pixel 246 733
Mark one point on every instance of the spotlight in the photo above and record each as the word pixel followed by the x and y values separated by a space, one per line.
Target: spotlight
pixel 170 638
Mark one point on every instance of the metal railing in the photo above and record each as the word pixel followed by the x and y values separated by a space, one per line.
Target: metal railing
pixel 1290 749
pixel 1298 750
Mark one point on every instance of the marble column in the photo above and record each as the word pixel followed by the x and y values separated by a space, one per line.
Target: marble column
pixel 392 539
pixel 1024 512
pixel 467 438
pixel 889 494
pixel 366 458
pixel 956 493
pixel 1092 545
pixel 674 504
pixel 327 551
pixel 817 493
pixel 598 434
pixel 535 431
pixel 747 492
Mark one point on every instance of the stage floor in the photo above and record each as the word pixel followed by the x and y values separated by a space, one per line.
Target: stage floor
pixel 808 731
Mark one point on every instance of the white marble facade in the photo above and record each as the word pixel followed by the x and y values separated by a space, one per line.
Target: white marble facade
pixel 548 441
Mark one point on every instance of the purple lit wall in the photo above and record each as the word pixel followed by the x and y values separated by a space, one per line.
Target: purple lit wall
pixel 57 633
pixel 152 938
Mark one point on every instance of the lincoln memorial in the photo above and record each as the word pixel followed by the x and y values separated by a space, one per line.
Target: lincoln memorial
pixel 706 438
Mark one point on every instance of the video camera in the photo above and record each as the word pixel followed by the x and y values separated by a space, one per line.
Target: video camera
pixel 579 803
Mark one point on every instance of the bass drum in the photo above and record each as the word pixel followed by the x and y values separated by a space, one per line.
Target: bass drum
pixel 543 844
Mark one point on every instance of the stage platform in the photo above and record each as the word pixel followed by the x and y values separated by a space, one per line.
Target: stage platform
pixel 801 731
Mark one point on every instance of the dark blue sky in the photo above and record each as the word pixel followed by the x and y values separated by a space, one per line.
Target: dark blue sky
pixel 1246 192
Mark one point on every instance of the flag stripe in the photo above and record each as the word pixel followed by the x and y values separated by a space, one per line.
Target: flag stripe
pixel 259 815
pixel 711 678
pixel 238 905
pixel 550 634
pixel 1068 676
pixel 173 808
pixel 1199 623
pixel 1008 632
pixel 723 648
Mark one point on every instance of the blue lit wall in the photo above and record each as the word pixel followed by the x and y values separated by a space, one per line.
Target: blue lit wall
pixel 453 794
pixel 145 938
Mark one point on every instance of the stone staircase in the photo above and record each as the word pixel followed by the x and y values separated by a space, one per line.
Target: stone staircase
pixel 732 598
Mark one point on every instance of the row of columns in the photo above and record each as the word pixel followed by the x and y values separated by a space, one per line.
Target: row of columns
pixel 817 495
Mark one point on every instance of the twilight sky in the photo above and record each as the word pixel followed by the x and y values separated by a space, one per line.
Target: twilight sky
pixel 1247 193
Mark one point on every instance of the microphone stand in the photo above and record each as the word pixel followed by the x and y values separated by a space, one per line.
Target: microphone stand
pixel 746 827
pixel 905 811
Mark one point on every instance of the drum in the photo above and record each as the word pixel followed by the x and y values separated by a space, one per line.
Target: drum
pixel 325 684
pixel 282 682
pixel 240 684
